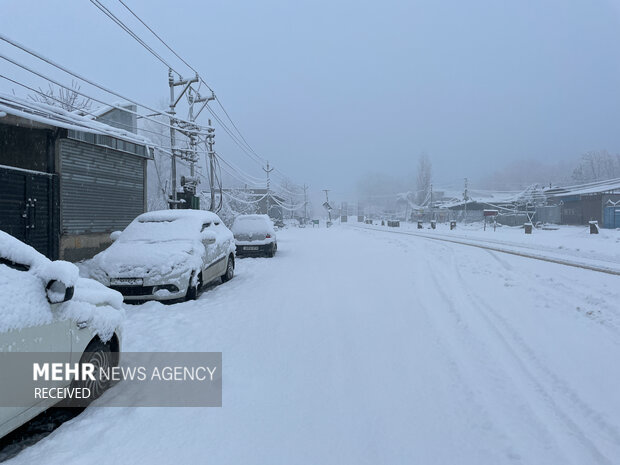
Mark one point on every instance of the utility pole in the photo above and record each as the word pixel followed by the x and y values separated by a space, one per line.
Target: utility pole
pixel 431 204
pixel 210 141
pixel 328 208
pixel 171 112
pixel 184 128
pixel 211 154
pixel 268 170
pixel 305 203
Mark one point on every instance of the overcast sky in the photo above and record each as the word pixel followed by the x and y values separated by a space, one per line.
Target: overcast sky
pixel 328 90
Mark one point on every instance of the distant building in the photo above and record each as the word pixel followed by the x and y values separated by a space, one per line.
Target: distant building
pixel 68 180
pixel 576 205
pixel 597 201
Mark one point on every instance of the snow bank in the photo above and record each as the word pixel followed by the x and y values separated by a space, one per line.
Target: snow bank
pixel 569 241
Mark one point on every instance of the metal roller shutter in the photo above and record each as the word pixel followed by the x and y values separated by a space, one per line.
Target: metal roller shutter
pixel 102 189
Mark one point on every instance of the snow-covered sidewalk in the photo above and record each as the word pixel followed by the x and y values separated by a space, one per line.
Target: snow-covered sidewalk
pixel 357 346
pixel 569 244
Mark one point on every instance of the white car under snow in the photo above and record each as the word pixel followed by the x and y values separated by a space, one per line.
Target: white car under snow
pixel 46 307
pixel 166 255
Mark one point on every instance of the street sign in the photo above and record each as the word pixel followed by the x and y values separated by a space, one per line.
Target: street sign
pixel 490 212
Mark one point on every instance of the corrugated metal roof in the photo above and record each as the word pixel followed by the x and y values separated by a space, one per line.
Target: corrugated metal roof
pixel 589 188
pixel 57 117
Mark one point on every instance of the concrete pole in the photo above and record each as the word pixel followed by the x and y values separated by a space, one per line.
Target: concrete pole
pixel 171 112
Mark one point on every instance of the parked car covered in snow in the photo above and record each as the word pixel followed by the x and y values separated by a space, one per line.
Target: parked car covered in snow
pixel 46 307
pixel 167 255
pixel 255 235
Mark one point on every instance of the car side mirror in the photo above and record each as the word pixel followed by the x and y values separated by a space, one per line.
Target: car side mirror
pixel 57 292
pixel 115 235
pixel 207 237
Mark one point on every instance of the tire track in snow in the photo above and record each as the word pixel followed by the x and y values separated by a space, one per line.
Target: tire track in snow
pixel 490 365
pixel 478 415
pixel 540 391
pixel 567 299
pixel 519 350
pixel 494 376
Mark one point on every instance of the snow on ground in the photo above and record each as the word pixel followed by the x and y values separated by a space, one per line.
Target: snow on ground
pixel 359 346
pixel 576 240
pixel 574 243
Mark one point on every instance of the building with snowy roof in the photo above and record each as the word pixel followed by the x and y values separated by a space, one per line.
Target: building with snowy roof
pixel 68 179
pixel 595 201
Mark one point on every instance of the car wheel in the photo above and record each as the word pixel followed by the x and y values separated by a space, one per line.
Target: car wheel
pixel 192 291
pixel 272 252
pixel 100 355
pixel 230 270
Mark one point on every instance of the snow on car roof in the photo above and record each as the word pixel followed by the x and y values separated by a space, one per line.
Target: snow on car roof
pixel 171 225
pixel 245 224
pixel 172 215
pixel 253 217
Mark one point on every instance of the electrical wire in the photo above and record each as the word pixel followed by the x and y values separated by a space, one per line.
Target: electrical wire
pixel 163 42
pixel 75 108
pixel 128 30
pixel 89 81
pixel 241 140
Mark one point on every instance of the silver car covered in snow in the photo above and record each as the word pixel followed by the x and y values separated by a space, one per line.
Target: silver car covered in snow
pixel 167 255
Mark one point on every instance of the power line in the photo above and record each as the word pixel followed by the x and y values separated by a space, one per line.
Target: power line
pixel 83 110
pixel 79 92
pixel 128 30
pixel 241 140
pixel 163 42
pixel 88 81
pixel 135 36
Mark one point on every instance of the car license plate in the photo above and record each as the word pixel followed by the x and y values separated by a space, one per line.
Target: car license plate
pixel 126 281
pixel 250 247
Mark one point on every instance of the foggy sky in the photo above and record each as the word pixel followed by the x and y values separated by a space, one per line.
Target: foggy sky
pixel 330 90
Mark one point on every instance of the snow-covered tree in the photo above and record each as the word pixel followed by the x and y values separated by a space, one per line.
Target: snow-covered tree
pixel 424 178
pixel 237 202
pixel 67 99
pixel 597 165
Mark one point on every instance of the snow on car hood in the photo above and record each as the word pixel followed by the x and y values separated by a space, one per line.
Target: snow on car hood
pixel 142 258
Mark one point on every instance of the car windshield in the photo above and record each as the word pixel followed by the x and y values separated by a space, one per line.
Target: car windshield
pixel 160 231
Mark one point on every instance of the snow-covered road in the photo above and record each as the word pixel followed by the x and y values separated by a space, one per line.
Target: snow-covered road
pixel 357 346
